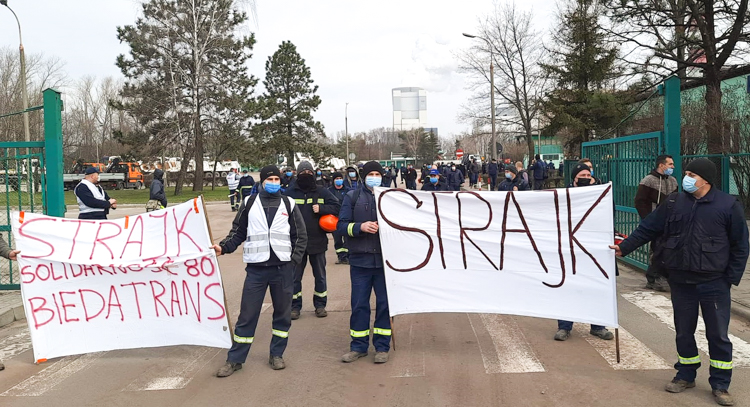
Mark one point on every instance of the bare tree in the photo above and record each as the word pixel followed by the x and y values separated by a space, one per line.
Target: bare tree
pixel 519 81
pixel 694 38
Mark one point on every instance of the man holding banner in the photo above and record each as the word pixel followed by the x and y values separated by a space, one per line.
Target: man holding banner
pixel 359 220
pixel 272 231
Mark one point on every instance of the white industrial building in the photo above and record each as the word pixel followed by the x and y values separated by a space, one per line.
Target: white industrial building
pixel 409 108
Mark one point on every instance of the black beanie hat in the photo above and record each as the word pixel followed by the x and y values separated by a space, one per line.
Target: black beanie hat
pixel 336 175
pixel 578 168
pixel 371 166
pixel 269 171
pixel 703 167
pixel 511 168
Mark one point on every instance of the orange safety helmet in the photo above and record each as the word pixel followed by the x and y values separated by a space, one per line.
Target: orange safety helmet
pixel 328 222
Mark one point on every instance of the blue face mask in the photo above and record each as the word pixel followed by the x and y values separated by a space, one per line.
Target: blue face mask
pixel 509 175
pixel 352 174
pixel 669 171
pixel 288 173
pixel 271 188
pixel 434 180
pixel 592 172
pixel 373 181
pixel 319 172
pixel 339 182
pixel 688 184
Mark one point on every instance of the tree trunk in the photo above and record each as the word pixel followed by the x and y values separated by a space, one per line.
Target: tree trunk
pixel 213 174
pixel 290 159
pixel 183 172
pixel 714 121
pixel 530 143
pixel 198 184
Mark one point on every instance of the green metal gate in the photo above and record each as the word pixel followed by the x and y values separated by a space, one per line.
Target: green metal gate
pixel 31 178
pixel 624 161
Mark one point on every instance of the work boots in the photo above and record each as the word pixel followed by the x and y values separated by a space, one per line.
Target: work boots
pixel 562 335
pixel 228 369
pixel 276 362
pixel 381 357
pixel 321 312
pixel 295 314
pixel 678 386
pixel 722 397
pixel 602 333
pixel 350 357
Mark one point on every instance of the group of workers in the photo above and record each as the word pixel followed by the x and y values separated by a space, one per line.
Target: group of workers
pixel 698 237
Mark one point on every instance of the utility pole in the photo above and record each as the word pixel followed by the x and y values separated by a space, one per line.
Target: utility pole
pixel 346 131
pixel 23 74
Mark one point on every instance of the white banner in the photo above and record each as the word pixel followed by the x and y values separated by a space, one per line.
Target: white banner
pixel 139 281
pixel 537 253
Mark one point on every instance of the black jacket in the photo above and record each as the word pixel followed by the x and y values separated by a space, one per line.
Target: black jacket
pixel 699 239
pixel 157 188
pixel 359 206
pixel 317 240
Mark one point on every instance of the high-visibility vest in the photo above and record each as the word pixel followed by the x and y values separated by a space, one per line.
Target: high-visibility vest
pixel 261 238
pixel 96 191
pixel 232 181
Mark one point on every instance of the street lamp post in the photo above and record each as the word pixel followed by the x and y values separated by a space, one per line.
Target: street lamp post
pixel 346 131
pixel 493 150
pixel 23 73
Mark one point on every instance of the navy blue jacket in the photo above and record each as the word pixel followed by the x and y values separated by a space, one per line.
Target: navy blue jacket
pixel 339 193
pixel 246 185
pixel 517 181
pixel 84 193
pixel 440 186
pixel 492 169
pixel 540 170
pixel 364 248
pixel 455 177
pixel 700 239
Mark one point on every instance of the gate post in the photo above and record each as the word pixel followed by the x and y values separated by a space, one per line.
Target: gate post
pixel 672 125
pixel 53 152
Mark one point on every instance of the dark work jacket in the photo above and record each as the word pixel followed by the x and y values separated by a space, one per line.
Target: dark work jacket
pixel 157 191
pixel 339 193
pixel 455 177
pixel 317 240
pixel 364 248
pixel 440 186
pixel 518 181
pixel 540 170
pixel 492 169
pixel 411 174
pixel 246 185
pixel 88 199
pixel 700 240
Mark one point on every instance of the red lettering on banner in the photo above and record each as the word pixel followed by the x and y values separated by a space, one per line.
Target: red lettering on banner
pixel 46 268
pixel 75 236
pixel 164 232
pixel 181 231
pixel 186 293
pixel 221 306
pixel 41 307
pixel 101 240
pixel 140 242
pixel 157 296
pixel 73 271
pixel 116 303
pixel 52 268
pixel 175 298
pixel 192 264
pixel 87 268
pixel 22 233
pixel 65 306
pixel 85 308
pixel 25 273
pixel 54 299
pixel 135 294
pixel 210 263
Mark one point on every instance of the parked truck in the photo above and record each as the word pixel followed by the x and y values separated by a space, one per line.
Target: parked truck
pixel 117 175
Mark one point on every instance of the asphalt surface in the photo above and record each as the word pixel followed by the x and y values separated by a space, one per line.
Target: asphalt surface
pixel 439 360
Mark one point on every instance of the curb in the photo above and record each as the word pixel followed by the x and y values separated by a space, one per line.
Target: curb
pixel 11 315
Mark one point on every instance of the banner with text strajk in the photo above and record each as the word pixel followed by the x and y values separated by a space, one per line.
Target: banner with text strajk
pixel 536 253
pixel 139 281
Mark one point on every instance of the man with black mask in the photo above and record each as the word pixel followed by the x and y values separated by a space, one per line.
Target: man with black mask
pixel 313 201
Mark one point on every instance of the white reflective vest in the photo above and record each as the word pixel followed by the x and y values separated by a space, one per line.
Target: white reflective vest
pixel 233 181
pixel 96 191
pixel 261 238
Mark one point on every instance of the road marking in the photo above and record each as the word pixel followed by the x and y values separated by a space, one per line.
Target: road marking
pixel 506 350
pixel 53 375
pixel 179 371
pixel 660 307
pixel 15 344
pixel 410 358
pixel 634 354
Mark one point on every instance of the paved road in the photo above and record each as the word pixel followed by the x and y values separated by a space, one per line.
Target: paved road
pixel 440 360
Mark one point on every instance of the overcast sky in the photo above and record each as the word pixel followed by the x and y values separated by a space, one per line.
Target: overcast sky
pixel 357 51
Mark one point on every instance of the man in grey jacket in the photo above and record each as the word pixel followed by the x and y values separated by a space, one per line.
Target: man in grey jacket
pixel 271 231
pixel 9 254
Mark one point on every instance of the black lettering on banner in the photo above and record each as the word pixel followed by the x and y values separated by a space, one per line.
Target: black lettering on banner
pixel 572 232
pixel 406 229
pixel 525 230
pixel 463 229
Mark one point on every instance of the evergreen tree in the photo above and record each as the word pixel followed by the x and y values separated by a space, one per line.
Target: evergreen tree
pixel 583 64
pixel 285 109
pixel 186 77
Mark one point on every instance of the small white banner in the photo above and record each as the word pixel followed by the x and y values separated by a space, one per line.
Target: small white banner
pixel 535 253
pixel 139 281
